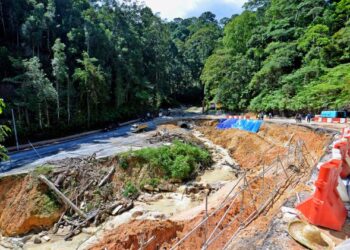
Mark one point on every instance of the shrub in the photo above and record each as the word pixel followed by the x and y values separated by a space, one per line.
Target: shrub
pixel 123 162
pixel 181 167
pixel 154 182
pixel 177 160
pixel 130 191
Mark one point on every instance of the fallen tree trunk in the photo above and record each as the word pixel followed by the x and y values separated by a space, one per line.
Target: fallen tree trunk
pixel 106 178
pixel 62 196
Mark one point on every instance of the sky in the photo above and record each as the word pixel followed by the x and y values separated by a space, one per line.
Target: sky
pixel 171 9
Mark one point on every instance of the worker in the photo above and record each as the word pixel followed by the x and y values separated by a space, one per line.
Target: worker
pixel 270 115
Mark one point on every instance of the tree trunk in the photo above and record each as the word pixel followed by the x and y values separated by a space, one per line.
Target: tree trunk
pixel 88 110
pixel 48 41
pixel 68 101
pixel 27 116
pixel 2 19
pixel 58 100
pixel 47 114
pixel 40 118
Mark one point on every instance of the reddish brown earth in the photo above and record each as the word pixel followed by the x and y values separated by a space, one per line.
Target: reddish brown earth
pixel 25 205
pixel 131 235
pixel 251 151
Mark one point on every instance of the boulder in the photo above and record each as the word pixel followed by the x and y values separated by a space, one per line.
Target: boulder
pixel 148 188
pixel 37 240
pixel 167 187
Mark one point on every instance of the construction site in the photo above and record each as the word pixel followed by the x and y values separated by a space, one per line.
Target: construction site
pixel 188 184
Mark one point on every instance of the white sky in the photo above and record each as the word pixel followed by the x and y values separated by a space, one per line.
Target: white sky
pixel 186 8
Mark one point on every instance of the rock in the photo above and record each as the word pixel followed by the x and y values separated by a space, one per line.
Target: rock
pixel 6 244
pixel 90 230
pixel 148 188
pixel 158 197
pixel 26 238
pixel 137 214
pixel 160 216
pixel 116 210
pixel 193 197
pixel 43 233
pixel 167 187
pixel 46 238
pixel 37 240
pixel 17 242
pixel 192 190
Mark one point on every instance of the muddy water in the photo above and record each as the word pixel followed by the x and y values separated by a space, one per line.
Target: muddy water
pixel 172 203
pixel 217 175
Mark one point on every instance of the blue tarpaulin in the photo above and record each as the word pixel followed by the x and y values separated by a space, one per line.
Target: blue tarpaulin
pixel 247 125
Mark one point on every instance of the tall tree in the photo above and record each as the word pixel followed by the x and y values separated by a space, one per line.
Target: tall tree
pixel 91 81
pixel 60 72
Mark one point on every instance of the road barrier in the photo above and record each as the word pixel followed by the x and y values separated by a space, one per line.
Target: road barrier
pixel 326 206
pixel 241 117
pixel 331 120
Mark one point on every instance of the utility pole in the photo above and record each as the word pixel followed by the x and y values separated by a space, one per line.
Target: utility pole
pixel 14 128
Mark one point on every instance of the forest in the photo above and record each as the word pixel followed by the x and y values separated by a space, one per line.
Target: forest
pixel 283 57
pixel 70 65
pixel 73 65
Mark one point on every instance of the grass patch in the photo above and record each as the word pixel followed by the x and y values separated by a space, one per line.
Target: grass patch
pixel 44 170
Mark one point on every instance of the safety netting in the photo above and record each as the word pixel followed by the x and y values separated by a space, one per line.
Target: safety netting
pixel 247 125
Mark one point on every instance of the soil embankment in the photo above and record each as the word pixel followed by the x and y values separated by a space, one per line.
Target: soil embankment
pixel 26 205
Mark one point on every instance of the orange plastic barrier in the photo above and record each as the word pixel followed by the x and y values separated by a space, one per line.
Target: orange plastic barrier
pixel 325 208
pixel 344 150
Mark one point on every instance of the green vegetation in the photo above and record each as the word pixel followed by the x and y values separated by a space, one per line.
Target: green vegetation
pixel 130 190
pixel 153 182
pixel 43 170
pixel 71 65
pixel 178 161
pixel 78 64
pixel 281 55
pixel 46 204
pixel 4 131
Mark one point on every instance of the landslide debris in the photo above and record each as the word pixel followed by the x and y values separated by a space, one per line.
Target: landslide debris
pixel 252 152
pixel 100 188
pixel 140 235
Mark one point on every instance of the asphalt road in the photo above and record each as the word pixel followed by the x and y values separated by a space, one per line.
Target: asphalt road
pixel 101 143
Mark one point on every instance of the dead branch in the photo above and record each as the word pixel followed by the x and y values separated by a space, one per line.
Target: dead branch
pixel 81 224
pixel 106 178
pixel 62 196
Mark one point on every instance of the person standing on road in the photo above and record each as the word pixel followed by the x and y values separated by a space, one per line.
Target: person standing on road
pixel 308 117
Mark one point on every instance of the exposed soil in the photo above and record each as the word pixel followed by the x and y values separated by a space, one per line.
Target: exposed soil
pixel 25 199
pixel 137 233
pixel 251 151
pixel 26 205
